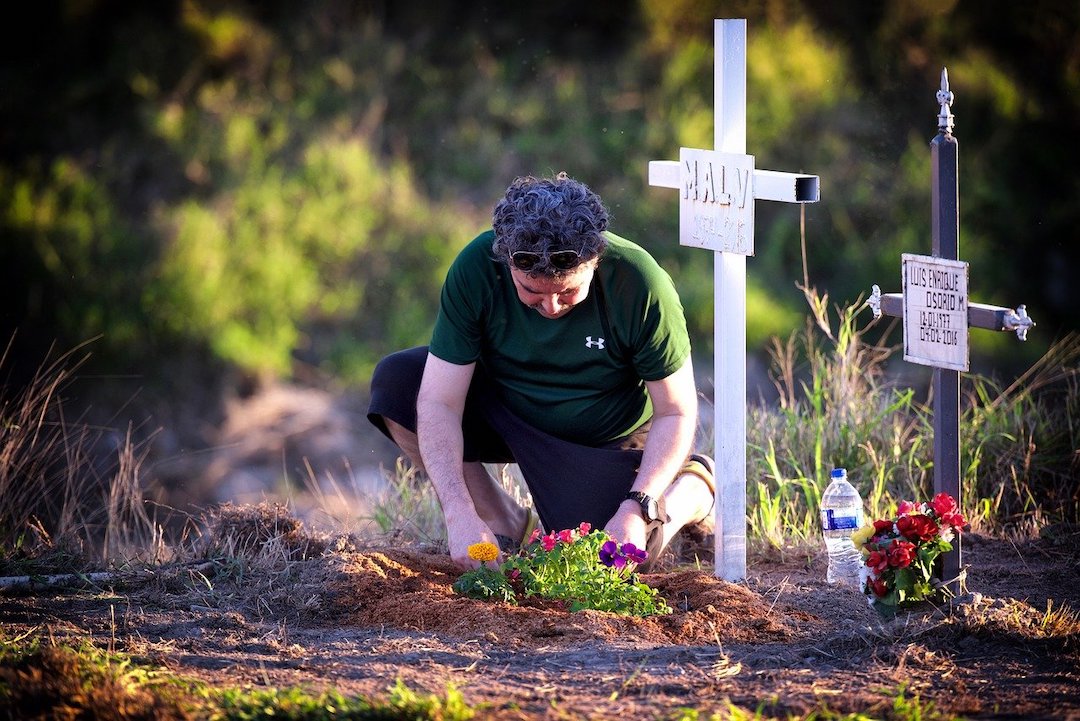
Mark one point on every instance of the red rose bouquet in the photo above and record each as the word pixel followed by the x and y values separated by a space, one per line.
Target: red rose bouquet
pixel 899 554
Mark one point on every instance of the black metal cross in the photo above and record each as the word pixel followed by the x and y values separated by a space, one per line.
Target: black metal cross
pixel 945 216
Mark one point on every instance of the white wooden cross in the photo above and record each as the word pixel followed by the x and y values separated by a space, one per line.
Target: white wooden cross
pixel 716 212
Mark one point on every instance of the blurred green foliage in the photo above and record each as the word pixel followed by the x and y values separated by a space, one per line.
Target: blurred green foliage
pixel 284 184
pixel 292 262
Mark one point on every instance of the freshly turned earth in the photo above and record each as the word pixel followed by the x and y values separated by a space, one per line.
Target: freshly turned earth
pixel 783 641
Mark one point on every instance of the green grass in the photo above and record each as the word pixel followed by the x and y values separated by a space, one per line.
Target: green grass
pixel 300 705
pixel 58 681
pixel 905 707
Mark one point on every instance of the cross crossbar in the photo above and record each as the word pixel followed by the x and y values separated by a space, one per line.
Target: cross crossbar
pixel 768 184
pixel 979 315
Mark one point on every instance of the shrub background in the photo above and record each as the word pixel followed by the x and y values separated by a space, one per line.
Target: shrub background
pixel 227 194
pixel 279 186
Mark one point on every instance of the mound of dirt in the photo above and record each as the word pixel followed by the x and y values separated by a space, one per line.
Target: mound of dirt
pixel 412 590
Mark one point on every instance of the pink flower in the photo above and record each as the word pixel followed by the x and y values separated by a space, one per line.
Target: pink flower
pixel 535 535
pixel 953 519
pixel 548 542
pixel 942 504
pixel 904 508
pixel 584 528
pixel 565 536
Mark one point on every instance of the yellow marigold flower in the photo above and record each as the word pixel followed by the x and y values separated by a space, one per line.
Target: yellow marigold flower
pixel 483 551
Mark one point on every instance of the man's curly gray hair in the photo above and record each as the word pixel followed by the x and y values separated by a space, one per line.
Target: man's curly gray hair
pixel 545 215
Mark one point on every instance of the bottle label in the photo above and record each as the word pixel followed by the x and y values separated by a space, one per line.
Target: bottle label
pixel 833 521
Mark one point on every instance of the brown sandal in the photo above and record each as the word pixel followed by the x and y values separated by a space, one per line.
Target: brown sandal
pixel 702 466
pixel 509 546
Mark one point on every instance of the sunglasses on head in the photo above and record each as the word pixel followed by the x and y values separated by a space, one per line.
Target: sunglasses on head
pixel 527 260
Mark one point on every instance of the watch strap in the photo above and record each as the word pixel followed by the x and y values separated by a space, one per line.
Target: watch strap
pixel 644 500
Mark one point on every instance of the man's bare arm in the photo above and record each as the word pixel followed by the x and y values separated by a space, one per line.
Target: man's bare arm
pixel 669 442
pixel 439 409
pixel 672 432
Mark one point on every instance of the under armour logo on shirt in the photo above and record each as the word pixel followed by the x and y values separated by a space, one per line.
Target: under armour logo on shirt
pixel 590 343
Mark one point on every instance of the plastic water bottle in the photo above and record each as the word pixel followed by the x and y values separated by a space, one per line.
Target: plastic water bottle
pixel 841 515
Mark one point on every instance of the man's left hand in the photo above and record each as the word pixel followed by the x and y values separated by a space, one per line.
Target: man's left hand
pixel 627 525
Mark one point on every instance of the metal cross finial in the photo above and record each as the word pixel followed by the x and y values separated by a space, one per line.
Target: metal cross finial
pixel 945 100
pixel 1019 321
pixel 874 301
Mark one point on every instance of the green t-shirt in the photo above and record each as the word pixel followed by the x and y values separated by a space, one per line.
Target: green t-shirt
pixel 580 377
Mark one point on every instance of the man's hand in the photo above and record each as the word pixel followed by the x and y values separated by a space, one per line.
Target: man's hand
pixel 463 531
pixel 627 525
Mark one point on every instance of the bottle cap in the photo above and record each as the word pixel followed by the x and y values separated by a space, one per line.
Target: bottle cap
pixel 839 472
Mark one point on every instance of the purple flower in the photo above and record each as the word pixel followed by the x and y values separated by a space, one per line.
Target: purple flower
pixel 634 554
pixel 609 555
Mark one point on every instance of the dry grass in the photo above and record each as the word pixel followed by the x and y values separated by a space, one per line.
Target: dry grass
pixel 404 509
pixel 61 504
pixel 256 559
pixel 265 535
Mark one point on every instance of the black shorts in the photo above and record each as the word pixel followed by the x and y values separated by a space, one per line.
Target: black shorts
pixel 569 482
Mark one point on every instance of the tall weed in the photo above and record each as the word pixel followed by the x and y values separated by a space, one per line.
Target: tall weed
pixel 407 507
pixel 1020 444
pixel 58 499
pixel 837 408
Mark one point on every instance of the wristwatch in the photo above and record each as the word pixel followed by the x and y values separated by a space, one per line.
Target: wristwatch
pixel 650 508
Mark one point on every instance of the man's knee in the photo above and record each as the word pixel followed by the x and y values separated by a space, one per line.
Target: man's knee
pixel 406 440
pixel 395 384
pixel 401 370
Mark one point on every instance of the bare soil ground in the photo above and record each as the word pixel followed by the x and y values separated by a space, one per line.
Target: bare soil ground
pixel 783 641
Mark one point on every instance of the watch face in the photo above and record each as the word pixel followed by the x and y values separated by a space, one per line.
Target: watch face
pixel 650 507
